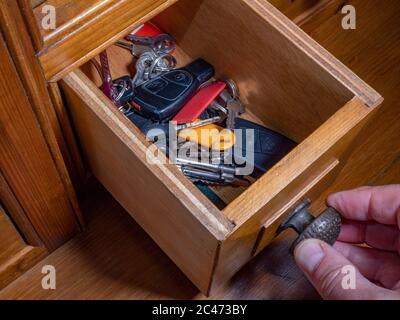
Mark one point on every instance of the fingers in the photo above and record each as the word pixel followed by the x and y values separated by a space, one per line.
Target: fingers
pixel 377 266
pixel 334 276
pixel 375 235
pixel 380 204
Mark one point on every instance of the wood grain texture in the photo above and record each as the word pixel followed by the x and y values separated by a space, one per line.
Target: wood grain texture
pixel 299 171
pixel 116 259
pixel 10 241
pixel 35 3
pixel 311 20
pixel 371 51
pixel 113 259
pixel 319 182
pixel 71 15
pixel 27 164
pixel 331 139
pixel 17 213
pixel 23 54
pixel 295 9
pixel 15 256
pixel 19 263
pixel 30 20
pixel 170 209
pixel 283 74
pixel 90 32
pixel 268 197
pixel 71 155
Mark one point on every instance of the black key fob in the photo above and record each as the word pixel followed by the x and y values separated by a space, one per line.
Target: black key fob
pixel 211 195
pixel 161 98
pixel 269 146
pixel 146 125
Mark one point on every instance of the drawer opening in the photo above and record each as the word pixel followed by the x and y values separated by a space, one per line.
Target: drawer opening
pixel 286 85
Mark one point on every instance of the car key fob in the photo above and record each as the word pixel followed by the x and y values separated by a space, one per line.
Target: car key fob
pixel 269 146
pixel 146 125
pixel 163 97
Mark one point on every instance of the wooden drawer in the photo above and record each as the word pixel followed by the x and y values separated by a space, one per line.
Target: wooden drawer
pixel 288 82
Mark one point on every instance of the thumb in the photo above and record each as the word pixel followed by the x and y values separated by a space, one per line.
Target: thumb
pixel 328 271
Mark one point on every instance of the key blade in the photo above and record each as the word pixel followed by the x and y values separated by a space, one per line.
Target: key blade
pixel 230 121
pixel 237 106
pixel 235 109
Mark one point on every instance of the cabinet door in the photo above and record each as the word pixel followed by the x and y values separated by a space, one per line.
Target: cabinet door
pixel 26 163
pixel 15 255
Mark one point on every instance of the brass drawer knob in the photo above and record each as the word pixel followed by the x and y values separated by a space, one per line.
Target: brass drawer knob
pixel 326 227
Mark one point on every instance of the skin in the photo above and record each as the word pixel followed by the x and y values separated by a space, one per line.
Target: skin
pixel 369 241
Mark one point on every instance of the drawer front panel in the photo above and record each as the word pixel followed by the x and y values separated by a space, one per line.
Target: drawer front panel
pixel 312 189
pixel 318 158
pixel 84 36
pixel 162 204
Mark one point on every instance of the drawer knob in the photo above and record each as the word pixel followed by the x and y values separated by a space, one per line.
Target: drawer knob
pixel 326 227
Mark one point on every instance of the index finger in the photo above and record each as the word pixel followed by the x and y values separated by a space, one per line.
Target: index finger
pixel 380 204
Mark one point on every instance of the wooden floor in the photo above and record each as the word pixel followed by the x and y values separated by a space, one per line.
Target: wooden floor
pixel 115 259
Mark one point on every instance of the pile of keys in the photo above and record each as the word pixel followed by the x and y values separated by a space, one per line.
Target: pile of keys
pixel 159 96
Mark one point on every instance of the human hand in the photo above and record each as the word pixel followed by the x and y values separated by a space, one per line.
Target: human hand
pixel 371 217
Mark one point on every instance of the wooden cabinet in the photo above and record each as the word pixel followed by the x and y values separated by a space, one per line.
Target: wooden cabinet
pixel 16 256
pixel 32 189
pixel 287 80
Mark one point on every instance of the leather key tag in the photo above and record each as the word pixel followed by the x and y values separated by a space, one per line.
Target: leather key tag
pixel 146 30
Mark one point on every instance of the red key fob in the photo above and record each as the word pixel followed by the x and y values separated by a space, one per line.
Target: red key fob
pixel 199 103
pixel 146 30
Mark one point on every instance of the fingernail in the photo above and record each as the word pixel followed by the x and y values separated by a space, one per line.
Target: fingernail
pixel 332 199
pixel 309 255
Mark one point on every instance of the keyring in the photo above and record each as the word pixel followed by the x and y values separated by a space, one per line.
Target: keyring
pixel 169 62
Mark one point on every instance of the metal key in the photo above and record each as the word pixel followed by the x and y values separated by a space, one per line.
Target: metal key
pixel 199 124
pixel 128 46
pixel 211 173
pixel 161 44
pixel 143 65
pixel 235 109
pixel 150 63
pixel 213 178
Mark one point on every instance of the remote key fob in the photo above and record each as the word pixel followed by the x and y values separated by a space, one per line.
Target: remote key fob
pixel 269 146
pixel 163 97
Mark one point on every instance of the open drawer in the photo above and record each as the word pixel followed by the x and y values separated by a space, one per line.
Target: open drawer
pixel 288 82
